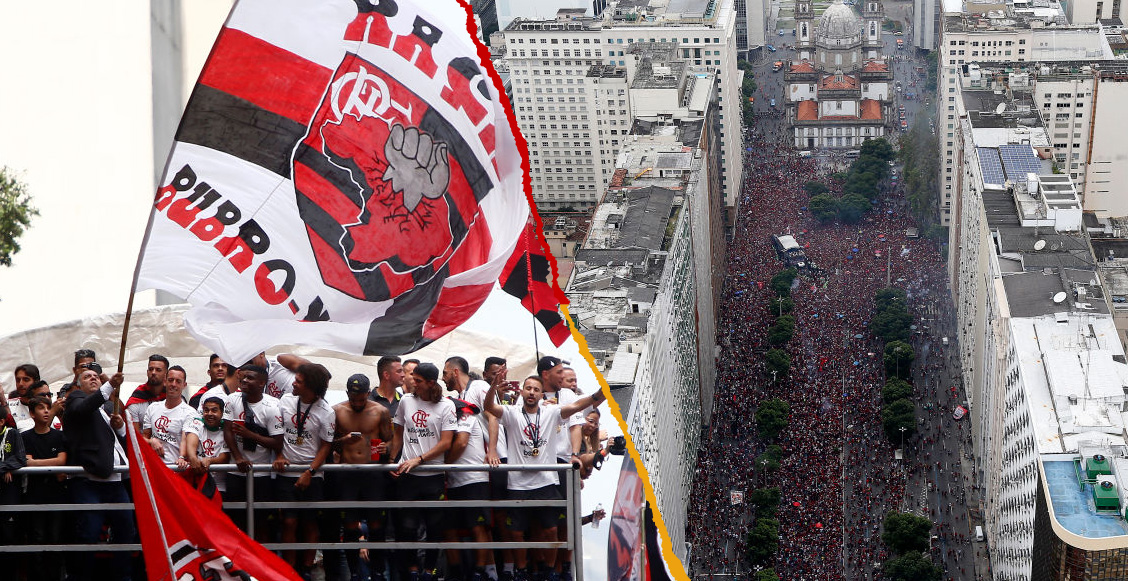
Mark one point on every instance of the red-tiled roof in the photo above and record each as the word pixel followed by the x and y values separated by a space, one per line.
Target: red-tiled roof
pixel 831 82
pixel 871 109
pixel 807 111
pixel 875 67
pixel 803 67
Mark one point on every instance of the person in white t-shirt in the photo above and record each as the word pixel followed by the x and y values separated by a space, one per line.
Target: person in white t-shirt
pixel 424 427
pixel 252 429
pixel 163 423
pixel 280 371
pixel 557 380
pixel 530 430
pixel 311 426
pixel 468 447
pixel 204 444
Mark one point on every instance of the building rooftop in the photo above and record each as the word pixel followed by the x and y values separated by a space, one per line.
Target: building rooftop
pixel 1073 505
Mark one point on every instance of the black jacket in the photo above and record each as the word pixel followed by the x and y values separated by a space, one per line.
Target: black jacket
pixel 90 440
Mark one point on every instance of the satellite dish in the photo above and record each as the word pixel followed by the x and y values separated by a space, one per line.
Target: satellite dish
pixel 1039 245
pixel 1059 298
pixel 1002 107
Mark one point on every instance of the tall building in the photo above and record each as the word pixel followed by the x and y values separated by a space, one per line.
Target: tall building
pixel 751 24
pixel 840 91
pixel 572 76
pixel 510 10
pixel 981 34
pixel 926 20
pixel 485 14
pixel 645 285
pixel 1038 340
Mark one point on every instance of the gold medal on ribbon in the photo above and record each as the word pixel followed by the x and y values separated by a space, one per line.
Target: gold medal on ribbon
pixel 536 452
pixel 299 441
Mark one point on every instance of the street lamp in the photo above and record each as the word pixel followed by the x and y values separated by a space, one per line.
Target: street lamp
pixel 897 357
pixel 902 429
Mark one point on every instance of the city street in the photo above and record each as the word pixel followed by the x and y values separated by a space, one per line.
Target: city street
pixel 839 477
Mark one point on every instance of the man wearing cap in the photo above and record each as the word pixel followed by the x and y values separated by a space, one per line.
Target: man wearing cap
pixel 531 437
pixel 425 423
pixel 364 429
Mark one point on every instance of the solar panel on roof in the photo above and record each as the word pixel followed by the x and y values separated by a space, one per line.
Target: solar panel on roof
pixel 1018 160
pixel 991 165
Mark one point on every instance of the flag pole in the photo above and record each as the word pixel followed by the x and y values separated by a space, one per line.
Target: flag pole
pixel 530 225
pixel 129 304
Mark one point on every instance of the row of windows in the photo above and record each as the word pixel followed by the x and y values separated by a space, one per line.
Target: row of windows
pixel 556 53
pixel 987 42
pixel 588 40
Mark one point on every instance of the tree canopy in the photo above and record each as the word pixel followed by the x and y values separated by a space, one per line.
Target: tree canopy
pixel 903 532
pixel 897 415
pixel 771 417
pixel 16 213
pixel 912 566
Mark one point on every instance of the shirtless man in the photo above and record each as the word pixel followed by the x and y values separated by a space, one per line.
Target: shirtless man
pixel 364 429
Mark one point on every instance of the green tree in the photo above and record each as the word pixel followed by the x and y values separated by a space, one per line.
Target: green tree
pixel 762 542
pixel 824 207
pixel 852 207
pixel 904 531
pixel 815 188
pixel 781 282
pixel 779 361
pixel 912 566
pixel 895 389
pixel 782 330
pixel 879 148
pixel 897 415
pixel 781 306
pixel 766 500
pixel 771 417
pixel 898 359
pixel 892 325
pixel 16 213
pixel 771 460
pixel 887 298
pixel 767 575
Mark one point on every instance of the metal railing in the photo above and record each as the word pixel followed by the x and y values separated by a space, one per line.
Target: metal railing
pixel 570 503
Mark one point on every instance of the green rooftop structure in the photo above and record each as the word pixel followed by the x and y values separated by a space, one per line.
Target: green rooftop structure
pixel 1096 466
pixel 1105 497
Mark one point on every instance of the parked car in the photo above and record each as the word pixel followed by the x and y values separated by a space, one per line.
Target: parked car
pixel 771 48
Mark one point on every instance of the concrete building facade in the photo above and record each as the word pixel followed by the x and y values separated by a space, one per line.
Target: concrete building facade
pixel 571 80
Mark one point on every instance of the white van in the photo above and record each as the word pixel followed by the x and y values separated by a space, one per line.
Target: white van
pixel 978 534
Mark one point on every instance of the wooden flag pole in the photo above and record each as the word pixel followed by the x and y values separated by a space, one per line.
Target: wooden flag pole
pixel 129 305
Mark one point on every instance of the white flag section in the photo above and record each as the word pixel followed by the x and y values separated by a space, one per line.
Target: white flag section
pixel 345 176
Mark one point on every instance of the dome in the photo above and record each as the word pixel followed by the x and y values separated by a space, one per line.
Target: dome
pixel 839 22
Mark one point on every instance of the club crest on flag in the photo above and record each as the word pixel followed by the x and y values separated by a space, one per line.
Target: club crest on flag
pixel 387 187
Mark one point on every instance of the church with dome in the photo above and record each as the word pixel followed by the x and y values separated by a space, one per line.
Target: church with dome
pixel 838 91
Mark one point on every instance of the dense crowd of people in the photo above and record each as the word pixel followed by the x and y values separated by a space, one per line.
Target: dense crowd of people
pixel 838 477
pixel 270 419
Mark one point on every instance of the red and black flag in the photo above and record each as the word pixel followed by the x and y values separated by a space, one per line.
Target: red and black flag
pixel 346 174
pixel 529 275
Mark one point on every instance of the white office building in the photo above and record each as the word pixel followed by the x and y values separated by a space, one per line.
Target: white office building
pixel 572 76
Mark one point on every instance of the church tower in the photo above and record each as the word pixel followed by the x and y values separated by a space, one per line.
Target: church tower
pixel 873 14
pixel 804 30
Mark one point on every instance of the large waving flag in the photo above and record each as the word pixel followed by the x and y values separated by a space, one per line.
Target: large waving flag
pixel 184 535
pixel 528 275
pixel 345 175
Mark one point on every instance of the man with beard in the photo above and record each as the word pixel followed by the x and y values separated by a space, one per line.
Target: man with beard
pixel 150 391
pixel 425 423
pixel 364 430
pixel 532 437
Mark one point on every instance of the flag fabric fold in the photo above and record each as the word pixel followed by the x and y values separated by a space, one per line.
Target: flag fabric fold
pixel 185 535
pixel 528 275
pixel 346 174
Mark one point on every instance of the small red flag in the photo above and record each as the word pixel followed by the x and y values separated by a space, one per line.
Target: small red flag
pixel 528 275
pixel 186 536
